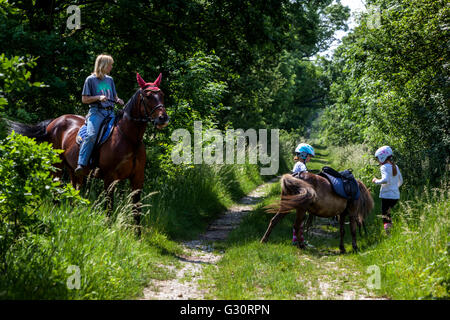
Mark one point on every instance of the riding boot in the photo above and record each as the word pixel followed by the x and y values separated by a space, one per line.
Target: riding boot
pixel 80 171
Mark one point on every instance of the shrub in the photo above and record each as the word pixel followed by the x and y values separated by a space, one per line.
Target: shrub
pixel 26 179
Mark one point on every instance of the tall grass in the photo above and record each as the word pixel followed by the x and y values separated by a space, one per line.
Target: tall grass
pixel 112 263
pixel 414 260
pixel 184 206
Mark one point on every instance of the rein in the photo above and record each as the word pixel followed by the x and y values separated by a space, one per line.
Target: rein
pixel 143 120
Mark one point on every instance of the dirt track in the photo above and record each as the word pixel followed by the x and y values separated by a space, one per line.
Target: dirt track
pixel 200 252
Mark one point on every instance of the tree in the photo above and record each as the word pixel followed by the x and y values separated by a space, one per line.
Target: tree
pixel 391 85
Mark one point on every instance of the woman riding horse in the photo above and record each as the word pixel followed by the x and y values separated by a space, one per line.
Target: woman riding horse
pixel 122 155
pixel 99 91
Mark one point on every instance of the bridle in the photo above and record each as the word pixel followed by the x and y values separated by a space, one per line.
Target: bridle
pixel 147 117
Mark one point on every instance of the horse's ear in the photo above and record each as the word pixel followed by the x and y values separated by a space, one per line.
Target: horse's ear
pixel 158 80
pixel 140 81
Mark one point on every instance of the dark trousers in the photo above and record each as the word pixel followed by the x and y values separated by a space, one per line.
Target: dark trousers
pixel 386 205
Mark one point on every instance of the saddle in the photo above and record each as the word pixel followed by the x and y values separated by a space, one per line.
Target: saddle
pixel 343 182
pixel 103 134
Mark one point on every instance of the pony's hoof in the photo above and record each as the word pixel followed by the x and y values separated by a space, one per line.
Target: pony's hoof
pixel 342 250
pixel 300 245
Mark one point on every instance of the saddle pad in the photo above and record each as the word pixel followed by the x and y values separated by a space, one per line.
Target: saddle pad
pixel 338 187
pixel 107 132
pixel 337 184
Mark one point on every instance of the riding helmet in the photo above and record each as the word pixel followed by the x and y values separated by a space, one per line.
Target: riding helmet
pixel 383 153
pixel 303 149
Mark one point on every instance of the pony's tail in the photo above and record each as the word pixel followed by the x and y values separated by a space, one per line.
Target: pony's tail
pixel 38 131
pixel 294 193
pixel 364 205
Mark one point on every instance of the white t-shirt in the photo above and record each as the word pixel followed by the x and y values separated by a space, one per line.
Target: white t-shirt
pixel 299 167
pixel 389 182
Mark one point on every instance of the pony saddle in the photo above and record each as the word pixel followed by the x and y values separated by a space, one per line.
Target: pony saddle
pixel 343 182
pixel 104 133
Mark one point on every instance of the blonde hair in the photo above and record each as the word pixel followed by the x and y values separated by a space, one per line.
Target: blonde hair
pixel 101 63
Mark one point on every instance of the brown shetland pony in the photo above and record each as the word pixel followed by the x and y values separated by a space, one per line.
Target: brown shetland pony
pixel 314 194
pixel 122 156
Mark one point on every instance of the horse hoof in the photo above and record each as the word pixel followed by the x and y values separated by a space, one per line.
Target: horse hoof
pixel 343 251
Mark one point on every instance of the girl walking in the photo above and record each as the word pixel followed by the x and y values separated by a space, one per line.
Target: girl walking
pixel 391 180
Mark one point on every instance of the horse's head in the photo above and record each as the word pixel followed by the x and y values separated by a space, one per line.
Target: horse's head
pixel 151 103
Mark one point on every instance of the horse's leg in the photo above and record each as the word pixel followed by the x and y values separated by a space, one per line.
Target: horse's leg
pixel 137 184
pixel 76 181
pixel 137 206
pixel 309 222
pixel 342 231
pixel 109 190
pixel 298 228
pixel 272 224
pixel 353 232
pixel 362 224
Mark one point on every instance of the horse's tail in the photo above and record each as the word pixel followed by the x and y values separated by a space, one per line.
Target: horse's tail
pixel 38 131
pixel 294 193
pixel 364 205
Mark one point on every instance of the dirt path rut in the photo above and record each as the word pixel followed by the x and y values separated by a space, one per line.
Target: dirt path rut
pixel 198 253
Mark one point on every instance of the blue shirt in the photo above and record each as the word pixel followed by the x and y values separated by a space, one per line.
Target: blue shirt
pixel 93 86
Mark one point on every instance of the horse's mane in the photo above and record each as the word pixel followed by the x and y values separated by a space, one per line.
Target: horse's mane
pixel 128 106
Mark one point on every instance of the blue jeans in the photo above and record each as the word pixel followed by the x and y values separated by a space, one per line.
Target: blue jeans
pixel 93 121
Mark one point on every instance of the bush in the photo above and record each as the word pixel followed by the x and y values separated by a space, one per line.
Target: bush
pixel 26 180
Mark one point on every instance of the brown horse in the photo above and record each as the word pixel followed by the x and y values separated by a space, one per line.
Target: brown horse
pixel 314 194
pixel 122 156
